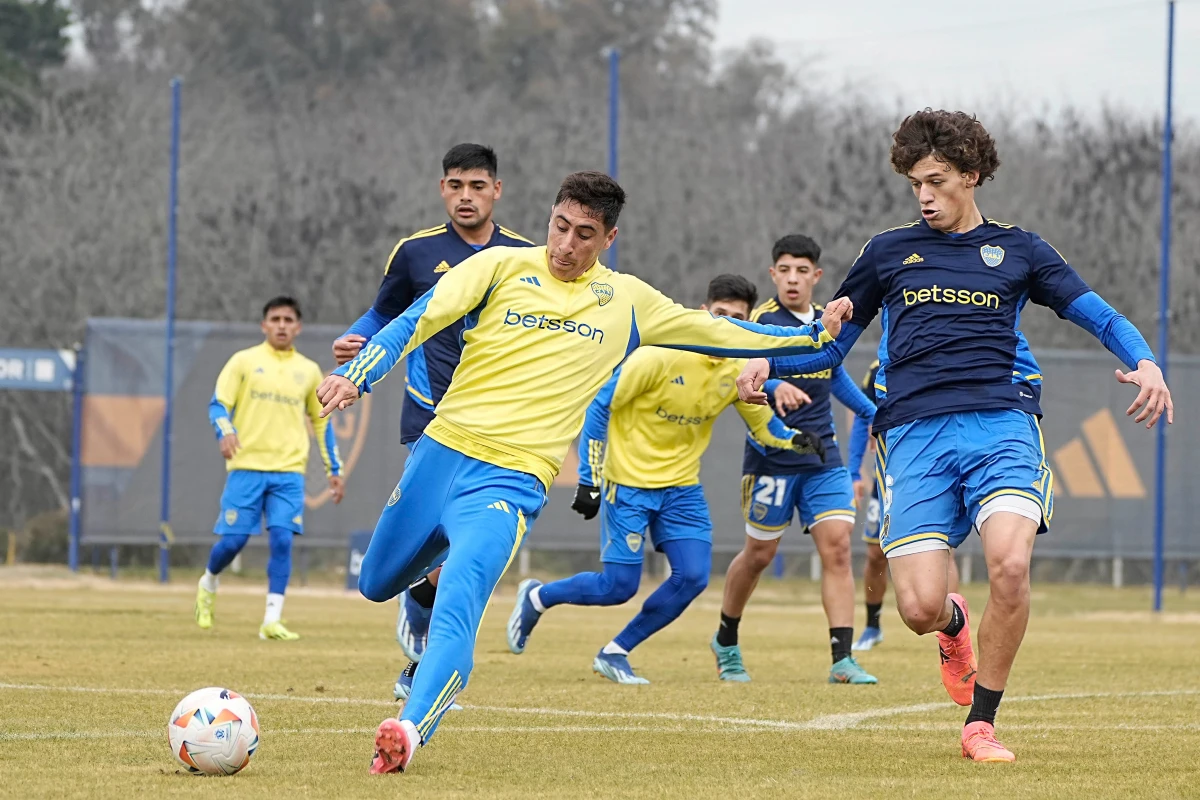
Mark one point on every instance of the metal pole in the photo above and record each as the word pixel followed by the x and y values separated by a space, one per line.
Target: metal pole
pixel 169 387
pixel 614 104
pixel 1164 320
pixel 76 467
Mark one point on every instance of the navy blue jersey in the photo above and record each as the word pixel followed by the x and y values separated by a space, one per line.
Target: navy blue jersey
pixel 415 265
pixel 951 305
pixel 816 417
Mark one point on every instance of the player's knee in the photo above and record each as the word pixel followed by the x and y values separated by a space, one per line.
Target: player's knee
pixel 836 560
pixel 693 580
pixel 621 582
pixel 920 614
pixel 759 554
pixel 373 586
pixel 1008 578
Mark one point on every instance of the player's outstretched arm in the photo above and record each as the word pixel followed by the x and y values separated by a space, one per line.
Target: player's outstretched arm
pixel 455 295
pixel 770 431
pixel 1090 312
pixel 664 323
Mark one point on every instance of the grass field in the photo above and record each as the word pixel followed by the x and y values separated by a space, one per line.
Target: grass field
pixel 1104 701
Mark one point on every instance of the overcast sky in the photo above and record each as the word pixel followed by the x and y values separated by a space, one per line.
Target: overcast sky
pixel 1034 54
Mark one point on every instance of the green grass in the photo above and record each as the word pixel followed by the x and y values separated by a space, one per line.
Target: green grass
pixel 1103 702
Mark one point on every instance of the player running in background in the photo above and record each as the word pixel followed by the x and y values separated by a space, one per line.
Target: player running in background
pixel 470 188
pixel 875 568
pixel 959 442
pixel 547 327
pixel 643 438
pixel 264 395
pixel 777 483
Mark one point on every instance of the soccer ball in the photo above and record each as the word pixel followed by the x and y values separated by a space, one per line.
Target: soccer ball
pixel 213 731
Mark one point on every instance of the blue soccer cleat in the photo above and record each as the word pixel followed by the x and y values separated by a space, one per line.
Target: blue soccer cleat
pixel 412 627
pixel 404 685
pixel 870 637
pixel 729 662
pixel 850 671
pixel 524 616
pixel 615 667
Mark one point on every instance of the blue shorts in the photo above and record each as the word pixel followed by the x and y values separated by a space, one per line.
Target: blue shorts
pixel 768 500
pixel 871 527
pixel 676 512
pixel 943 475
pixel 248 494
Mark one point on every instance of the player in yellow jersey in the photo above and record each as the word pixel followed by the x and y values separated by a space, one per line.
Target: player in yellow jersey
pixel 545 329
pixel 264 400
pixel 657 415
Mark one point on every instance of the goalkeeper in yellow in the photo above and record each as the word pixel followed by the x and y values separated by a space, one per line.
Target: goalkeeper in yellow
pixel 657 415
pixel 545 328
pixel 264 400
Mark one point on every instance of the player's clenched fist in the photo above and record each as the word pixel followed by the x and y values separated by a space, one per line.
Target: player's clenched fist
pixel 749 383
pixel 838 311
pixel 587 501
pixel 336 393
pixel 347 347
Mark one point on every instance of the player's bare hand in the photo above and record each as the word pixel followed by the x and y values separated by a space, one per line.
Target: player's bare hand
pixel 1154 397
pixel 789 397
pixel 838 311
pixel 229 445
pixel 347 347
pixel 337 488
pixel 335 393
pixel 860 492
pixel 749 383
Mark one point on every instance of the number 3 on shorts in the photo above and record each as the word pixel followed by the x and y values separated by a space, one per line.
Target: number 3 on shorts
pixel 770 490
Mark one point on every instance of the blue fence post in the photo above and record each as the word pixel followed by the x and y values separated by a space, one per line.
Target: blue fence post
pixel 76 467
pixel 164 536
pixel 1164 321
pixel 614 107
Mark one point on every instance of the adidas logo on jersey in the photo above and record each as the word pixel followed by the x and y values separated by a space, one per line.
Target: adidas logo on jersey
pixel 500 505
pixel 913 259
pixel 532 280
pixel 442 267
pixel 679 380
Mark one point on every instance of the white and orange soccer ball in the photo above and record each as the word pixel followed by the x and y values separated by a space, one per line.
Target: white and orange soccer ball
pixel 213 731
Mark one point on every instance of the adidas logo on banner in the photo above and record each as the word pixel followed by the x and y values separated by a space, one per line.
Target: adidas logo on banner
pixel 678 380
pixel 500 505
pixel 913 259
pixel 1117 477
pixel 442 267
pixel 532 280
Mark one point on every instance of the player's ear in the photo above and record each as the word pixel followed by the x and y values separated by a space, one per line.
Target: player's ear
pixel 608 240
pixel 499 189
pixel 972 179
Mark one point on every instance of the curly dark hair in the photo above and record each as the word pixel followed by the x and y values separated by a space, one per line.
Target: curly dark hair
pixel 952 137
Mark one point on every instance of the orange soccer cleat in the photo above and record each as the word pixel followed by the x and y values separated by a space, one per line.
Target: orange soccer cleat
pixel 958 659
pixel 395 743
pixel 979 744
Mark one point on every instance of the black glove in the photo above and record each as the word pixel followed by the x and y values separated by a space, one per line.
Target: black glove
pixel 587 500
pixel 805 442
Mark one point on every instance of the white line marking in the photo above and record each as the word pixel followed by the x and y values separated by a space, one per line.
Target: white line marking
pixel 840 721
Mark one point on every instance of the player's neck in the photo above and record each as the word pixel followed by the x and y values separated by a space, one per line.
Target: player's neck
pixel 279 351
pixel 479 235
pixel 798 307
pixel 970 220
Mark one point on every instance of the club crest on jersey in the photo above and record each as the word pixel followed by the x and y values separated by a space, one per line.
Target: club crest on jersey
pixel 634 540
pixel 759 511
pixel 603 292
pixel 231 516
pixel 992 254
pixel 395 498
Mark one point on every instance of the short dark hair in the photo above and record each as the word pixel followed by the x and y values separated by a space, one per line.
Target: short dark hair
pixel 595 191
pixel 282 301
pixel 732 287
pixel 469 156
pixel 796 245
pixel 952 137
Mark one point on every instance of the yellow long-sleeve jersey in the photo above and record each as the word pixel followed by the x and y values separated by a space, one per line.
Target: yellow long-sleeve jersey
pixel 263 395
pixel 537 349
pixel 657 414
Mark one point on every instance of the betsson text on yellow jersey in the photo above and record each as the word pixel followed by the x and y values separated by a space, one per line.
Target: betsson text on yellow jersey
pixel 658 418
pixel 537 349
pixel 263 396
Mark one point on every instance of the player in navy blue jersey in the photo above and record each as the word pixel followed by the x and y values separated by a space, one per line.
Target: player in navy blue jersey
pixel 469 189
pixel 778 484
pixel 957 428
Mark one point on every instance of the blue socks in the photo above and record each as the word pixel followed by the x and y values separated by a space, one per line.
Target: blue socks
pixel 279 565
